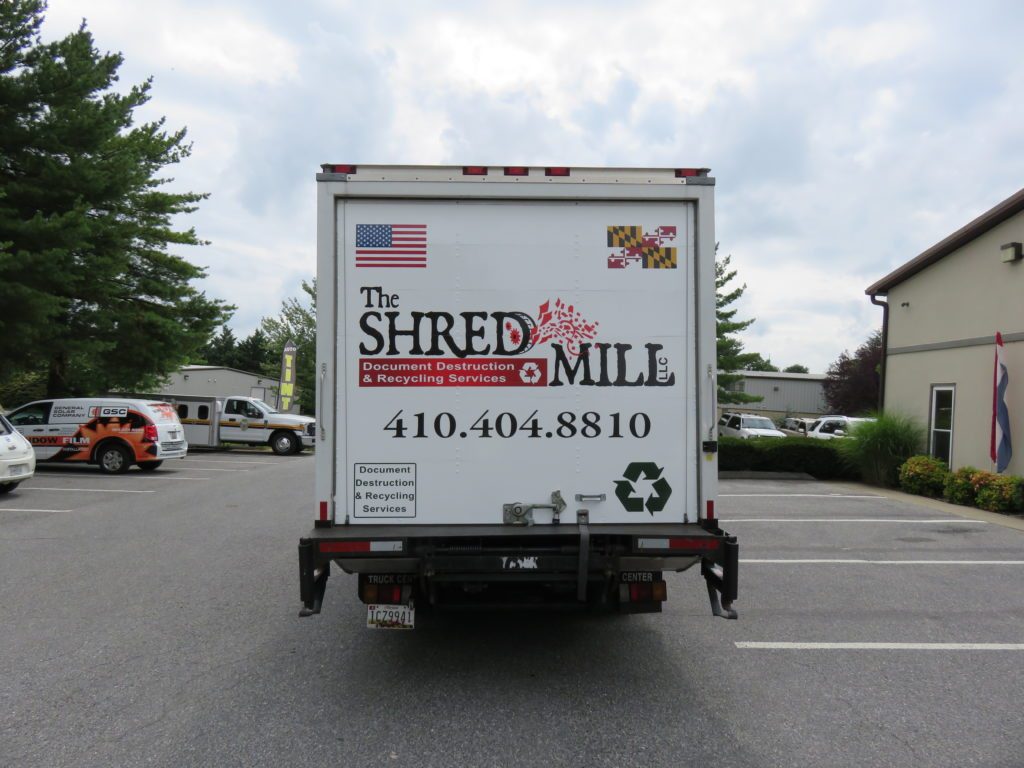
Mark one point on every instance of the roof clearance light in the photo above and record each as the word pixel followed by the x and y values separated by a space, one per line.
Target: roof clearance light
pixel 517 170
pixel 686 172
pixel 556 171
pixel 474 170
pixel 343 169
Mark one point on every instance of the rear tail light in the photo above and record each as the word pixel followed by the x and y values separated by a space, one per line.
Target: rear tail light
pixel 517 170
pixel 348 547
pixel 682 543
pixel 710 514
pixel 556 171
pixel 149 433
pixel 389 594
pixel 474 170
pixel 647 592
pixel 323 510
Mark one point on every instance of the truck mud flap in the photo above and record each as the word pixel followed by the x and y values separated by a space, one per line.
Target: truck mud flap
pixel 312 580
pixel 722 579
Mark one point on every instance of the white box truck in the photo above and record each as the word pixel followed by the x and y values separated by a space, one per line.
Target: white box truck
pixel 516 389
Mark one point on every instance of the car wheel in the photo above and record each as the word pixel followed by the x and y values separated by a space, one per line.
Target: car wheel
pixel 114 459
pixel 283 443
pixel 149 466
pixel 7 488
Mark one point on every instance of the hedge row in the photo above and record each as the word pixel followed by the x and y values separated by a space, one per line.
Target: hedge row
pixel 818 458
pixel 969 486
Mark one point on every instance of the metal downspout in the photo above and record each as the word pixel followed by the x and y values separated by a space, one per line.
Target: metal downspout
pixel 885 348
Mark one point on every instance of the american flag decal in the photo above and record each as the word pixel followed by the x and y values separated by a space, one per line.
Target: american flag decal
pixel 391 245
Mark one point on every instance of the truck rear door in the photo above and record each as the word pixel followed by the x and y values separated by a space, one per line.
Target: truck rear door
pixel 501 351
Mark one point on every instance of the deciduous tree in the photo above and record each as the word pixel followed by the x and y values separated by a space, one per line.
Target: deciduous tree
pixel 851 382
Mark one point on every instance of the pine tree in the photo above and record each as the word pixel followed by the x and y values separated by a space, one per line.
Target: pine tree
pixel 731 356
pixel 252 354
pixel 91 293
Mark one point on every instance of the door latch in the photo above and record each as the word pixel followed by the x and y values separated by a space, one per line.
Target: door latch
pixel 519 513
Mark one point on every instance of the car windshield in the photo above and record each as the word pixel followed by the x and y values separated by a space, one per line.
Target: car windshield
pixel 267 408
pixel 758 422
pixel 5 426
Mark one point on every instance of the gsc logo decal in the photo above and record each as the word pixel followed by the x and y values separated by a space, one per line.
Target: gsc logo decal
pixel 108 411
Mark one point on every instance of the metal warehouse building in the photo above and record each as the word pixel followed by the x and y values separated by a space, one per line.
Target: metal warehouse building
pixel 785 394
pixel 217 381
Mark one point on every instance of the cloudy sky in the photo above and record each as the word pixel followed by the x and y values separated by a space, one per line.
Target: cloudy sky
pixel 845 137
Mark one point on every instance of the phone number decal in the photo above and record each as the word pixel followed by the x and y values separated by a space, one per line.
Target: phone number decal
pixel 567 424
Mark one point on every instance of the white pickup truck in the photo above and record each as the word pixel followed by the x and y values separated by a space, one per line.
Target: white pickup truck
pixel 831 427
pixel 210 422
pixel 516 389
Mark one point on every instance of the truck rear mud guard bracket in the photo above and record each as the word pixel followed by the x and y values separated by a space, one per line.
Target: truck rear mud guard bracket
pixel 583 520
pixel 722 580
pixel 312 580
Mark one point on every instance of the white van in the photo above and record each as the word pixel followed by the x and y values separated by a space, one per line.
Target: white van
pixel 111 432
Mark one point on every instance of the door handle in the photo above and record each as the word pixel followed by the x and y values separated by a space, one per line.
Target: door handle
pixel 590 497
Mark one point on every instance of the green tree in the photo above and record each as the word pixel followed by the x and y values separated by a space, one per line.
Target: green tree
pixel 252 354
pixel 761 364
pixel 296 322
pixel 90 293
pixel 796 368
pixel 731 356
pixel 222 349
pixel 852 381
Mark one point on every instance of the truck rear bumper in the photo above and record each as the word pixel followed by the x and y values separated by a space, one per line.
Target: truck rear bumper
pixel 566 553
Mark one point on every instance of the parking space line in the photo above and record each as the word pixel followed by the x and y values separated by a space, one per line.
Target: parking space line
pixel 943 521
pixel 859 561
pixel 209 469
pixel 22 509
pixel 798 496
pixel 132 478
pixel 230 461
pixel 881 646
pixel 82 490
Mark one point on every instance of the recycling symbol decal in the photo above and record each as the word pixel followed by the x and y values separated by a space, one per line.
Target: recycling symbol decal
pixel 625 490
pixel 529 373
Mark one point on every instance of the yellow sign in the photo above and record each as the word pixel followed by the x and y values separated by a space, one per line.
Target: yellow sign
pixel 286 392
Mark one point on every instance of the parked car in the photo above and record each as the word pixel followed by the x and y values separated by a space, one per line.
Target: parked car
pixel 17 459
pixel 797 423
pixel 745 425
pixel 831 427
pixel 111 432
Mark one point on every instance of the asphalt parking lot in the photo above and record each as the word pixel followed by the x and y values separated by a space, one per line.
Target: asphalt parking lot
pixel 152 619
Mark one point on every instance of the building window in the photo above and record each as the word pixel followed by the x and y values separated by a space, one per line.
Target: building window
pixel 940 437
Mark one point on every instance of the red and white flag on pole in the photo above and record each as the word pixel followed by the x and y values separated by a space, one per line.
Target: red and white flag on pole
pixel 1001 448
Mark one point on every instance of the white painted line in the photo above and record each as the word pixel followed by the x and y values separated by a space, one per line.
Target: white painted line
pixel 207 469
pixel 729 521
pixel 19 509
pixel 82 490
pixel 230 461
pixel 853 561
pixel 797 496
pixel 883 646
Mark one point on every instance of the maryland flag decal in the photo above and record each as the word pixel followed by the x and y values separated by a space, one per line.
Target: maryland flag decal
pixel 633 245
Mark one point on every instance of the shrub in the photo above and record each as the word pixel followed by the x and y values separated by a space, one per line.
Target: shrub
pixel 819 458
pixel 878 448
pixel 996 493
pixel 924 476
pixel 959 489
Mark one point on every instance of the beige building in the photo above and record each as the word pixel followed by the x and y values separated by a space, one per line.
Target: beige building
pixel 782 394
pixel 943 311
pixel 218 381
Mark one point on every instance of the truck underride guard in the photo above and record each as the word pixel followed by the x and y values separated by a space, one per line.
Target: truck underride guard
pixel 491 566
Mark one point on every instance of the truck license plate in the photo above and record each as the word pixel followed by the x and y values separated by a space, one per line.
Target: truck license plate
pixel 390 616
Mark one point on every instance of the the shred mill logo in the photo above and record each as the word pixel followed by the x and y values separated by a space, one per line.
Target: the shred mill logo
pixel 557 346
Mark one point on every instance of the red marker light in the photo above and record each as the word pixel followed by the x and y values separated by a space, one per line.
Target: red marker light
pixel 474 170
pixel 694 542
pixel 556 171
pixel 685 172
pixel 517 170
pixel 323 510
pixel 343 169
pixel 710 515
pixel 344 546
